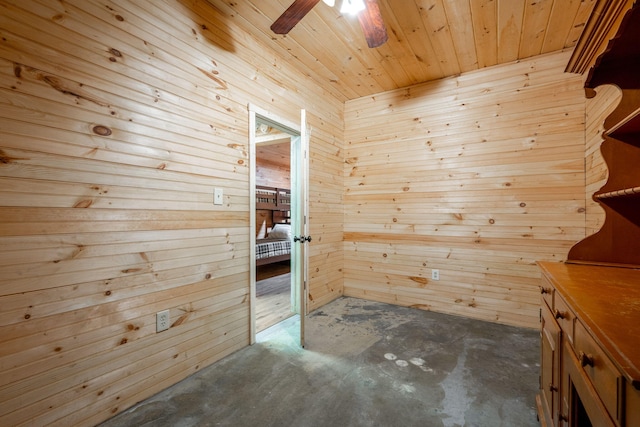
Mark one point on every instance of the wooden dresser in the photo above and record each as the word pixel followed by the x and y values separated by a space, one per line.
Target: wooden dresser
pixel 590 346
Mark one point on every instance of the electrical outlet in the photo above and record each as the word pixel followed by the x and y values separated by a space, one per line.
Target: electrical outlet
pixel 162 320
pixel 435 274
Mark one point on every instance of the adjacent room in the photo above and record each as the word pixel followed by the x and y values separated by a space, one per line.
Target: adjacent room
pixel 179 176
pixel 273 227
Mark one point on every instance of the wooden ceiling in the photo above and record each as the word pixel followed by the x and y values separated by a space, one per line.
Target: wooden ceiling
pixel 428 39
pixel 272 146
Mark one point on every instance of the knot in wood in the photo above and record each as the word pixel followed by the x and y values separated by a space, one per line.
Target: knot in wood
pixel 101 130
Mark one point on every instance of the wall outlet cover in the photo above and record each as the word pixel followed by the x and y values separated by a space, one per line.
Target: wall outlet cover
pixel 162 320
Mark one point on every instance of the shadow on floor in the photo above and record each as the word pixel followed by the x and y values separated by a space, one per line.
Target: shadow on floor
pixel 365 364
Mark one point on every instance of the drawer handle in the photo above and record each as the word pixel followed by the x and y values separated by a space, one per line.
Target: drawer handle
pixel 552 388
pixel 545 290
pixel 559 315
pixel 585 359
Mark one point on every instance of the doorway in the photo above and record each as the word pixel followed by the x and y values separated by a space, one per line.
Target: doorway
pixel 278 220
pixel 273 226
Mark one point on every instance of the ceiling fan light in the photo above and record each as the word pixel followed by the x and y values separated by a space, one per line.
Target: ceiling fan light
pixel 352 6
pixel 330 3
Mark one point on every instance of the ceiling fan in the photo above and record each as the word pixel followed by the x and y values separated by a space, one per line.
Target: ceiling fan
pixel 368 12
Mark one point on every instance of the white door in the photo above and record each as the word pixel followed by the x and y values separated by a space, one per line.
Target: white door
pixel 299 223
pixel 299 217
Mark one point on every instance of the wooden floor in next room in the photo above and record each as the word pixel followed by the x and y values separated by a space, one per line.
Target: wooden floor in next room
pixel 273 294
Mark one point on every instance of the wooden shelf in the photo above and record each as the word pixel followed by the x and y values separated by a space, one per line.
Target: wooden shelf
pixel 635 191
pixel 628 129
pixel 618 241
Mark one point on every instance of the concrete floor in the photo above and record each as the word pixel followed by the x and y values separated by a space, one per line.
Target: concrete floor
pixel 365 364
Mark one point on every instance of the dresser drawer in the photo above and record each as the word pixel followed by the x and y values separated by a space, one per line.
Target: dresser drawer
pixel 580 391
pixel 602 373
pixel 564 316
pixel 547 291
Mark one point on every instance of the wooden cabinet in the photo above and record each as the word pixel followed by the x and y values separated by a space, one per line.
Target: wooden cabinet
pixel 618 241
pixel 590 346
pixel 549 366
pixel 590 315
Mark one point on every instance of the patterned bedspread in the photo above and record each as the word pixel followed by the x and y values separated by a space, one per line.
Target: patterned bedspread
pixel 270 248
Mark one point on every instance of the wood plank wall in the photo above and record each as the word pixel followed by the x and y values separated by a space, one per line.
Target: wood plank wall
pixel 598 108
pixel 117 120
pixel 272 175
pixel 479 176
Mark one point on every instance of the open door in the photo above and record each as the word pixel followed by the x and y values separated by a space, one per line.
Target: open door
pixel 298 217
pixel 299 223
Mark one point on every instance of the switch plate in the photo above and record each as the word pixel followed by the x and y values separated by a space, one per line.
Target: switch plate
pixel 217 196
pixel 435 274
pixel 162 320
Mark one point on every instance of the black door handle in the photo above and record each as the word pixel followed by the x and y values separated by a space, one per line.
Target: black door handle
pixel 302 239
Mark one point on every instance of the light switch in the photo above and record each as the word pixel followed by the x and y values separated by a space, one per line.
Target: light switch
pixel 217 196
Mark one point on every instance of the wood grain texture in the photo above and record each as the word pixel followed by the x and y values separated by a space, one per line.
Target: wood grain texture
pixel 478 176
pixel 598 108
pixel 119 117
pixel 428 39
pixel 600 27
pixel 273 301
pixel 117 120
pixel 593 293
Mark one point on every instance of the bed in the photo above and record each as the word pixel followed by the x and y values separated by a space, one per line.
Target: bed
pixel 269 251
pixel 273 198
pixel 273 238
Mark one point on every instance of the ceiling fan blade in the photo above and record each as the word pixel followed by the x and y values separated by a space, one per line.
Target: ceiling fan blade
pixel 372 24
pixel 293 15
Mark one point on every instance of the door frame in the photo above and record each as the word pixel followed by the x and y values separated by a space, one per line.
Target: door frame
pixel 296 130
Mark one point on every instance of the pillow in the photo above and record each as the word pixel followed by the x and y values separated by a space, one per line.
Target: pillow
pixel 280 231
